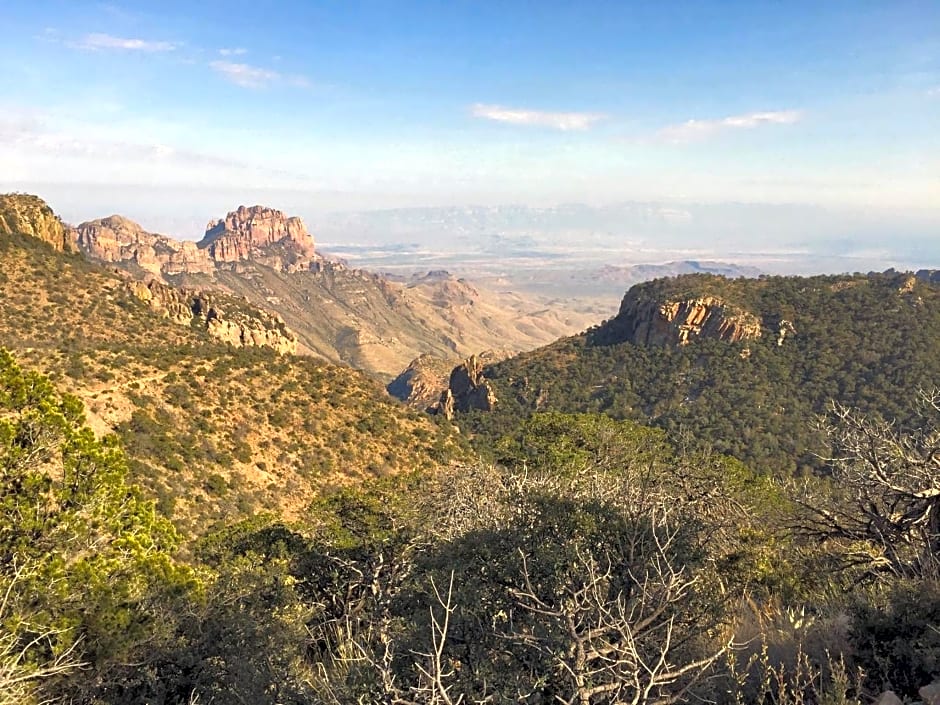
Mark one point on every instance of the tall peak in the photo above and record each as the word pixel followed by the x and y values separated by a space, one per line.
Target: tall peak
pixel 252 232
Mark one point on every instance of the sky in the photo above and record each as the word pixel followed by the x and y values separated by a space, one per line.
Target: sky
pixel 189 108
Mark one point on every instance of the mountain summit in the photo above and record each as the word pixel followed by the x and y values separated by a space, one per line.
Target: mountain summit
pixel 258 233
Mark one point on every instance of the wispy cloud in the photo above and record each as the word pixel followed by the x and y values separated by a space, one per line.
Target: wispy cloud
pixel 933 92
pixel 28 131
pixel 98 42
pixel 245 75
pixel 520 116
pixel 693 130
pixel 236 51
pixel 248 76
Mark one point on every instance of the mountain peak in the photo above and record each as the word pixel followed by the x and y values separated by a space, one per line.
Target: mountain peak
pixel 120 240
pixel 251 231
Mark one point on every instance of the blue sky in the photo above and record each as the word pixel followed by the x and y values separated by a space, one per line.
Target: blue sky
pixel 379 104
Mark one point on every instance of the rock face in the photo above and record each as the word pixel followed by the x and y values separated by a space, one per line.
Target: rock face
pixel 646 321
pixel 30 215
pixel 122 241
pixel 240 328
pixel 255 233
pixel 421 383
pixel 930 694
pixel 259 233
pixel 467 389
pixel 436 386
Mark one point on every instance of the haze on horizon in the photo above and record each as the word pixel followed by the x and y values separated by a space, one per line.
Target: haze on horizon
pixel 174 113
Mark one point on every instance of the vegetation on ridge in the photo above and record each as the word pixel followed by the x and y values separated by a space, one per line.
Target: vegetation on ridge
pixel 211 431
pixel 594 561
pixel 866 341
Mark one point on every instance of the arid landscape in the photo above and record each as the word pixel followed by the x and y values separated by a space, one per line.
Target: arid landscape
pixel 469 353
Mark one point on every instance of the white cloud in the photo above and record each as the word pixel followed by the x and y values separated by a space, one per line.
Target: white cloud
pixel 519 116
pixel 933 92
pixel 693 130
pixel 248 76
pixel 97 42
pixel 237 51
pixel 245 75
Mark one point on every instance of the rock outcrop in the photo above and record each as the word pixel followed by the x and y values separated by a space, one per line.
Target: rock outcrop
pixel 256 233
pixel 467 389
pixel 930 694
pixel 421 383
pixel 650 322
pixel 118 240
pixel 240 327
pixel 260 233
pixel 30 215
pixel 784 329
pixel 438 387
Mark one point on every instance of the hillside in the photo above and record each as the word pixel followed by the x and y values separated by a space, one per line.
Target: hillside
pixel 214 426
pixel 743 365
pixel 343 315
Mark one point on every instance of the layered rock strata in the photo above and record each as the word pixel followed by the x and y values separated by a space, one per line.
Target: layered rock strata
pixel 238 328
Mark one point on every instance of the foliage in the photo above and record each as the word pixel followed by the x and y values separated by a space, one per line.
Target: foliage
pixel 881 514
pixel 866 342
pixel 83 557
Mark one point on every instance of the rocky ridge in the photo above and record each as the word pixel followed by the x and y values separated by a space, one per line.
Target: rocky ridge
pixel 30 215
pixel 241 327
pixel 118 240
pixel 256 233
pixel 676 322
pixel 344 315
pixel 211 431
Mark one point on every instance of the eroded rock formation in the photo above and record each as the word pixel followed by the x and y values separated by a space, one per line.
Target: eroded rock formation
pixel 30 215
pixel 240 327
pixel 259 233
pixel 421 383
pixel 468 389
pixel 256 233
pixel 646 321
pixel 121 241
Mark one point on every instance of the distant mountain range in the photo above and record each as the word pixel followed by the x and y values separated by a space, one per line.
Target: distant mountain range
pixel 776 238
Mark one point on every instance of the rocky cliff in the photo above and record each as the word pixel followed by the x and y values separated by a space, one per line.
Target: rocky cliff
pixel 467 389
pixel 121 241
pixel 30 215
pixel 240 327
pixel 259 233
pixel 648 321
pixel 421 383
